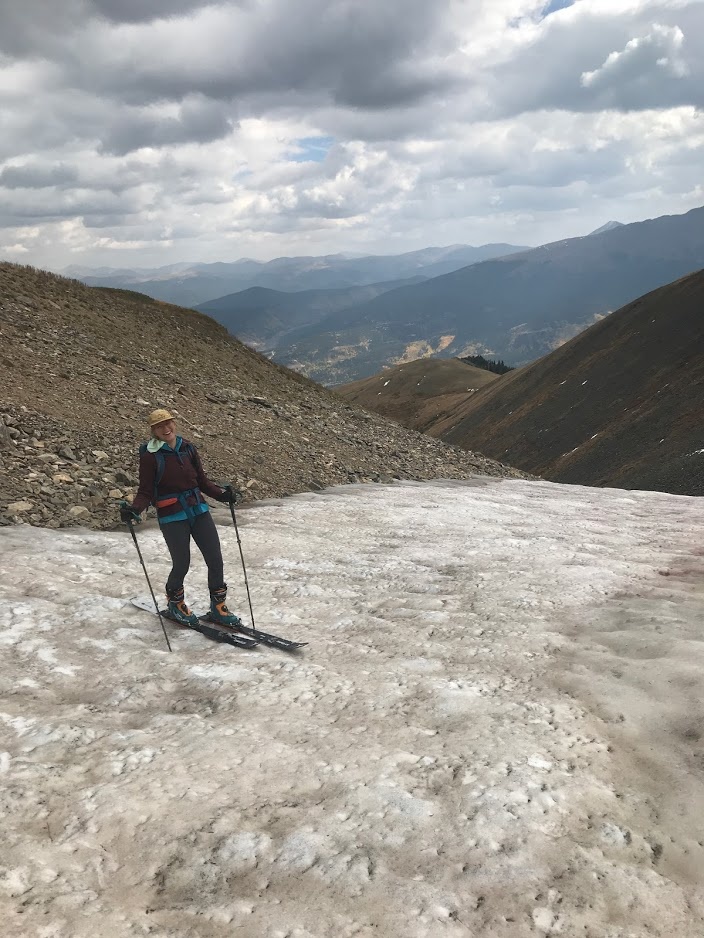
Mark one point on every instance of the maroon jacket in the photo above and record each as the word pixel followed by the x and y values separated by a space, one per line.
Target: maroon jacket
pixel 181 473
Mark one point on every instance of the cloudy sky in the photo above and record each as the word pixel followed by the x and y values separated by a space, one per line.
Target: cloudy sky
pixel 147 132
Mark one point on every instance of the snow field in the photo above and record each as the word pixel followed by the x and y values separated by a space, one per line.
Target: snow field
pixel 493 732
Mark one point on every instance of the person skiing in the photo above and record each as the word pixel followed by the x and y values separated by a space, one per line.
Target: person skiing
pixel 171 478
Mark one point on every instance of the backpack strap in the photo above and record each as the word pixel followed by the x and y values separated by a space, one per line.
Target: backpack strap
pixel 160 466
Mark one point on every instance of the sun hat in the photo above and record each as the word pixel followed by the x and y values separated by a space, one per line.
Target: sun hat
pixel 159 416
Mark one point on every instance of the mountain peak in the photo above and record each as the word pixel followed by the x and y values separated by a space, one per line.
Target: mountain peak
pixel 609 226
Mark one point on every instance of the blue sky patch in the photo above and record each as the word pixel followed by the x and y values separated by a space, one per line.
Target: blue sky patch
pixel 312 149
pixel 554 5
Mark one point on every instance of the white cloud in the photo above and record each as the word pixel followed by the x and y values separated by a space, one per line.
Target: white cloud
pixel 171 129
pixel 661 48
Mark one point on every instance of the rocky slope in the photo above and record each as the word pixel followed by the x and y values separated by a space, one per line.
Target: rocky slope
pixel 84 366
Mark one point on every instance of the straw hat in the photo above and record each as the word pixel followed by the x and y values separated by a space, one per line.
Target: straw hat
pixel 159 416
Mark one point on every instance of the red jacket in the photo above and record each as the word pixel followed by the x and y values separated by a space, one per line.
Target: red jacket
pixel 182 473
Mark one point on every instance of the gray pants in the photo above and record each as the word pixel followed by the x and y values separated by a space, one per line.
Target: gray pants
pixel 177 535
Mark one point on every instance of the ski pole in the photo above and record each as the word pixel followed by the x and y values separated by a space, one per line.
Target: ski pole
pixel 244 569
pixel 130 525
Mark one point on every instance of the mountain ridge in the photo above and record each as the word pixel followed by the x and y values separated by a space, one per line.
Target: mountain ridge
pixel 609 226
pixel 193 284
pixel 517 307
pixel 262 317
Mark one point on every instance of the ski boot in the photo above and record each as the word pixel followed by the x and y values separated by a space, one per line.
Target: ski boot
pixel 219 613
pixel 178 610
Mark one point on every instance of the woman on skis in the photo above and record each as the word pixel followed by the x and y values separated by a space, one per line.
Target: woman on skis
pixel 171 478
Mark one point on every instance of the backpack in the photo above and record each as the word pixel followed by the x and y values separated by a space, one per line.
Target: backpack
pixel 190 451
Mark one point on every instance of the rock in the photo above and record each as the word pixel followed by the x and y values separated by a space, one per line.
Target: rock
pixel 17 507
pixel 67 453
pixel 62 477
pixel 79 511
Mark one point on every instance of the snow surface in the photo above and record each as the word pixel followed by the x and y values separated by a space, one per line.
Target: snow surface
pixel 495 730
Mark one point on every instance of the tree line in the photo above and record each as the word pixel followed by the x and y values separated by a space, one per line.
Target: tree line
pixel 498 367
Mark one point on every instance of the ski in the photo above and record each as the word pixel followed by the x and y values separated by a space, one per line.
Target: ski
pixel 263 638
pixel 216 633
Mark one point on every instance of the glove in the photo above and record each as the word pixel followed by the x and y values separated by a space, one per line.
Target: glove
pixel 127 514
pixel 230 496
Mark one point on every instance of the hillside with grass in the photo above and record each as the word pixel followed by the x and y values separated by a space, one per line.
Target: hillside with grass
pixel 622 404
pixel 420 392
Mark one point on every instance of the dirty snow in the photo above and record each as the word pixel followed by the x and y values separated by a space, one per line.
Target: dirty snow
pixel 495 730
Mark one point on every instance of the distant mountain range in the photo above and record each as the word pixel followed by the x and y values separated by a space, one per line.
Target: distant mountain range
pixel 339 318
pixel 263 318
pixel 516 307
pixel 193 284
